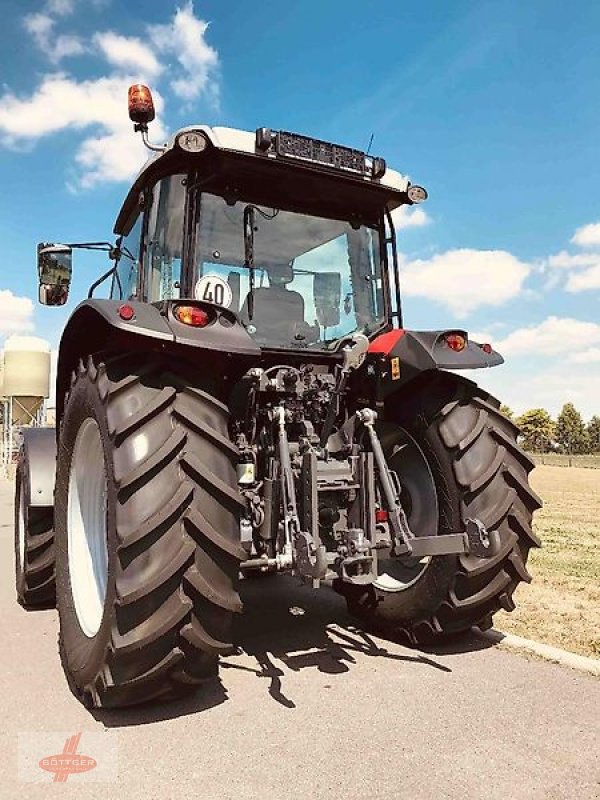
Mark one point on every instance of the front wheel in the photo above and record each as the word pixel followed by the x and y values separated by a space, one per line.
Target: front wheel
pixel 456 457
pixel 147 532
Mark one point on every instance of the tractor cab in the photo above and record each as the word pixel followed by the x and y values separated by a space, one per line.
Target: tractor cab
pixel 290 233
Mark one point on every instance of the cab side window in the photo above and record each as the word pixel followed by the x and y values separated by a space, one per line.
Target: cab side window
pixel 163 248
pixel 125 281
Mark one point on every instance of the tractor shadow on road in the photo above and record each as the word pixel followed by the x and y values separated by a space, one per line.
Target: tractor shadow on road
pixel 456 645
pixel 287 626
pixel 207 697
pixel 304 628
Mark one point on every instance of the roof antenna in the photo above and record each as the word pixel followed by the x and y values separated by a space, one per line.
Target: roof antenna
pixel 370 143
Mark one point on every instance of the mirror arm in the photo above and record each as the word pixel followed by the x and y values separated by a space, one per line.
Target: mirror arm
pixel 106 246
pixel 114 253
pixel 100 280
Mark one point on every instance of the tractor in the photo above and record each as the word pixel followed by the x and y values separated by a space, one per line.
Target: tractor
pixel 247 402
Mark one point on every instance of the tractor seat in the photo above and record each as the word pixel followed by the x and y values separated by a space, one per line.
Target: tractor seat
pixel 275 309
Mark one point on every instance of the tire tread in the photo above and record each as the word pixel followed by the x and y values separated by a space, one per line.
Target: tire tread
pixel 172 613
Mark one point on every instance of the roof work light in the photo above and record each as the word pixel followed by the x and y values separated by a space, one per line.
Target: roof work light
pixel 416 194
pixel 192 141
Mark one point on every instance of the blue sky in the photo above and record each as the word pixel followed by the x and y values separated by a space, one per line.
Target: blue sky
pixel 493 106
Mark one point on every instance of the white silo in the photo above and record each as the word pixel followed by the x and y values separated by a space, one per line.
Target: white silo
pixel 26 376
pixel 24 385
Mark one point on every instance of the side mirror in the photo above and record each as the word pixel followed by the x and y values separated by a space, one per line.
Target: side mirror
pixel 54 273
pixel 327 292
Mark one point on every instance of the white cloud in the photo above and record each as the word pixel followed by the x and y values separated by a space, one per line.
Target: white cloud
pixel 565 260
pixel 184 37
pixel 41 28
pixel 587 235
pixel 464 280
pixel 583 268
pixel 38 25
pixel 553 337
pixel 128 52
pixel 409 217
pixel 547 365
pixel 116 155
pixel 60 7
pixel 589 356
pixel 546 387
pixel 584 281
pixel 66 45
pixel 16 313
pixel 60 103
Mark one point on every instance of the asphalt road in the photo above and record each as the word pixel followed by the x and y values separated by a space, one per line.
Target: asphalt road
pixel 313 707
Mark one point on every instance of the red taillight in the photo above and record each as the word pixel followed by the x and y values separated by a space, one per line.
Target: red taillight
pixel 381 515
pixel 487 348
pixel 456 342
pixel 126 312
pixel 191 315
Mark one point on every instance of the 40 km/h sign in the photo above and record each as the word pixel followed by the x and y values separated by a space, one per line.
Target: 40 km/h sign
pixel 213 289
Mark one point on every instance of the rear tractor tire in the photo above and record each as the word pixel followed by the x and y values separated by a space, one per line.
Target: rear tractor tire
pixel 455 453
pixel 147 532
pixel 34 545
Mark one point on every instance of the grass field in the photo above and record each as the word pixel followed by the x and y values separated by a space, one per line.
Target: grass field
pixel 561 460
pixel 562 605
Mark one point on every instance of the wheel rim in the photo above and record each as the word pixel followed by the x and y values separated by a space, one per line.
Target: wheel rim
pixel 419 499
pixel 86 524
pixel 21 528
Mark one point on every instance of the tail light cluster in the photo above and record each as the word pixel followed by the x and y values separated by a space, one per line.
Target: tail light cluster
pixel 187 314
pixel 192 315
pixel 456 341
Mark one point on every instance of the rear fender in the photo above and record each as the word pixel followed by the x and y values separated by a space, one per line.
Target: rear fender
pixel 400 355
pixel 38 462
pixel 223 347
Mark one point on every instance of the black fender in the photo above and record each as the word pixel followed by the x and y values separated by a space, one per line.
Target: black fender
pixel 99 325
pixel 399 356
pixel 37 459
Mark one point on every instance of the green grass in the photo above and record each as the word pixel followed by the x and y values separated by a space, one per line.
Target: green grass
pixel 562 604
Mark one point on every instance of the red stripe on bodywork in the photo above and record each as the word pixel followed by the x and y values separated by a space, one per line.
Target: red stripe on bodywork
pixel 384 343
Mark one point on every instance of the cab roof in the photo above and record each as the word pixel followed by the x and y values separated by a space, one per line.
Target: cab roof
pixel 234 162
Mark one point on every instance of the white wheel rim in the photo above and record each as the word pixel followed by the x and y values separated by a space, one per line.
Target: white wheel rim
pixel 86 524
pixel 388 583
pixel 412 467
pixel 21 528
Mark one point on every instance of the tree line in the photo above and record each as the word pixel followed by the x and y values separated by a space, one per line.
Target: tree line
pixel 567 434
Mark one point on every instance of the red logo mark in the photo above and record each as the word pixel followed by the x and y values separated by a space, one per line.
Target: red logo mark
pixel 69 762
